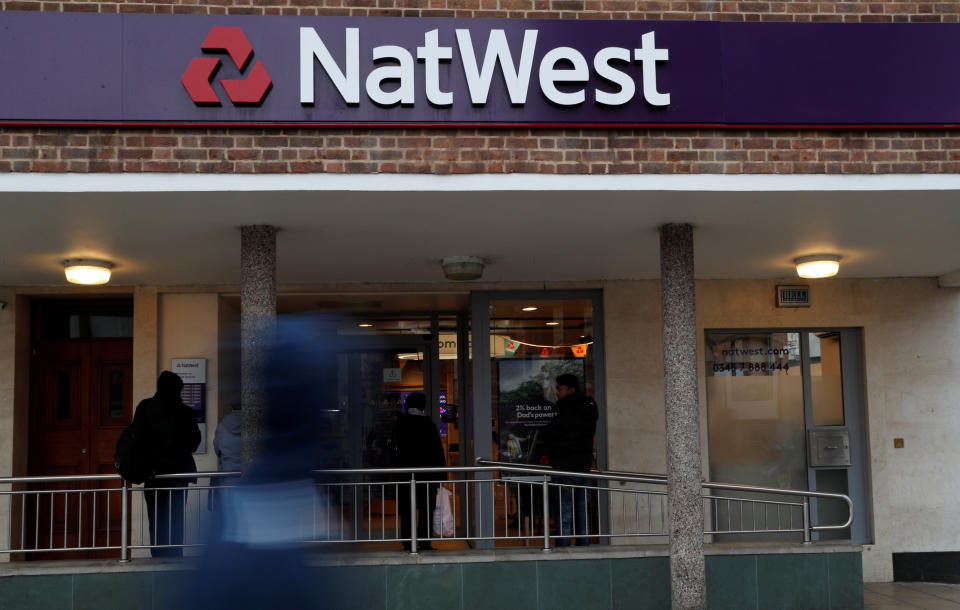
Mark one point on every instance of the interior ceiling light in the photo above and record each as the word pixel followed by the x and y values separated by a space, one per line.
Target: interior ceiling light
pixel 817 265
pixel 529 309
pixel 87 271
pixel 365 325
pixel 462 268
pixel 553 324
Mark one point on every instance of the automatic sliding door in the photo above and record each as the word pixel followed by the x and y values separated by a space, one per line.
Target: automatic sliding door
pixel 372 384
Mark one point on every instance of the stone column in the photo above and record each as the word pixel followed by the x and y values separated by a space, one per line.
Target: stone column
pixel 687 572
pixel 258 312
pixel 146 368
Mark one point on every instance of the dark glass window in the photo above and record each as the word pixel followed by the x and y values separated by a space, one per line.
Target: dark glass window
pixel 115 394
pixel 77 320
pixel 63 395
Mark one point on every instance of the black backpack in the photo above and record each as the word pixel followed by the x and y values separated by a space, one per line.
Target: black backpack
pixel 131 457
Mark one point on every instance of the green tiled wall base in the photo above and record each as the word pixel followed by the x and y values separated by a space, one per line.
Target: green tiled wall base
pixel 769 582
pixel 762 582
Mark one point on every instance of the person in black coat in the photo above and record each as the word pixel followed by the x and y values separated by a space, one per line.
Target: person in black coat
pixel 171 435
pixel 416 443
pixel 569 446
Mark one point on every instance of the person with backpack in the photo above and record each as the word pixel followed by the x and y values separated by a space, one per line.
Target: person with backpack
pixel 167 429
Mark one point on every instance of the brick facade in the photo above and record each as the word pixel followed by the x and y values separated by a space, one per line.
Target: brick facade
pixel 798 10
pixel 461 150
pixel 445 151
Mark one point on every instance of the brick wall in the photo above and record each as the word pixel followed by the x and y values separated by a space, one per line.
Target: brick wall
pixel 454 150
pixel 798 10
pixel 444 151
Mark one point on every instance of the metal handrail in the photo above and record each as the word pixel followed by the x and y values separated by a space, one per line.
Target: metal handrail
pixel 646 478
pixel 512 468
pixel 485 466
pixel 549 469
pixel 430 476
pixel 792 492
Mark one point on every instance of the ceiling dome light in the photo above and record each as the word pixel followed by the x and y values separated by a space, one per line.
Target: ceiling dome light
pixel 462 268
pixel 531 308
pixel 87 271
pixel 817 265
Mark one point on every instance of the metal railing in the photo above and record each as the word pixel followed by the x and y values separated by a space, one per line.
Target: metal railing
pixel 504 504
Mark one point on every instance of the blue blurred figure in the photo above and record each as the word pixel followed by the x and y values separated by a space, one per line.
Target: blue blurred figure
pixel 256 554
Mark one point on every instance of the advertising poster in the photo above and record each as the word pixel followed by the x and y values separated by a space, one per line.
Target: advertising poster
pixel 526 395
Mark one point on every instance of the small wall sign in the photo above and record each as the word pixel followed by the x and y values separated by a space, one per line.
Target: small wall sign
pixel 793 296
pixel 193 371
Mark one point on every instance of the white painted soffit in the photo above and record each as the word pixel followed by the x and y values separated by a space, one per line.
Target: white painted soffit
pixel 163 182
pixel 177 229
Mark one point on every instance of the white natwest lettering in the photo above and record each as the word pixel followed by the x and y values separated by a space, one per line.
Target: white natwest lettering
pixel 347 83
pixel 648 52
pixel 403 73
pixel 550 74
pixel 497 52
pixel 431 53
pixel 559 65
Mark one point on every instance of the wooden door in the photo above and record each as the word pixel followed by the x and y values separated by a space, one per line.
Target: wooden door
pixel 82 399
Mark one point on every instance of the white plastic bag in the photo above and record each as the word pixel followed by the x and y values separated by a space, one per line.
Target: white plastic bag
pixel 443 514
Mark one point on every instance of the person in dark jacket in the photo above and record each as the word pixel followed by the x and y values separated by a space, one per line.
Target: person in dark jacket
pixel 416 443
pixel 569 446
pixel 170 434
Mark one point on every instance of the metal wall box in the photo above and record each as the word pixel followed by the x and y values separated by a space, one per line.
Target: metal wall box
pixel 829 447
pixel 793 296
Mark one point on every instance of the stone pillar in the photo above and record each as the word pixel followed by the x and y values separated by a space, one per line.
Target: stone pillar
pixel 146 368
pixel 258 312
pixel 687 572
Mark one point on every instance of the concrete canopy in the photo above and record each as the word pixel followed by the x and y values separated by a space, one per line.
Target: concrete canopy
pixel 183 229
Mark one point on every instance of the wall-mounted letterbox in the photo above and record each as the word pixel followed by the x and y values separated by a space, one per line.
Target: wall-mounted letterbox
pixel 829 447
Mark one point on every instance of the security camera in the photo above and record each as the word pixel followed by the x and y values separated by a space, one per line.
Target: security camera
pixel 3 304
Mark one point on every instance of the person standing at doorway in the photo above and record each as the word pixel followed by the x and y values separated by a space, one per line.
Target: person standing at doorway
pixel 228 445
pixel 170 434
pixel 416 443
pixel 569 446
pixel 227 441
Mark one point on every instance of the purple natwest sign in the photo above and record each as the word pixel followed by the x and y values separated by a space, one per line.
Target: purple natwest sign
pixel 187 69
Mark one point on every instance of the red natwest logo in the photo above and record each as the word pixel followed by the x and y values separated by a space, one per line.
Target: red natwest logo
pixel 247 91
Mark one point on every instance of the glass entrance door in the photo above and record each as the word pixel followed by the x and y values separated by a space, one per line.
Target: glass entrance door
pixel 372 386
pixel 368 381
pixel 370 377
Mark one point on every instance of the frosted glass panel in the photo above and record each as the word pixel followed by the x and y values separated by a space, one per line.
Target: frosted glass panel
pixel 755 409
pixel 826 390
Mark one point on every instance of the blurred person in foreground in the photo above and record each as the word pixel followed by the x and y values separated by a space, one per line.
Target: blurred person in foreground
pixel 170 435
pixel 257 551
pixel 416 443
